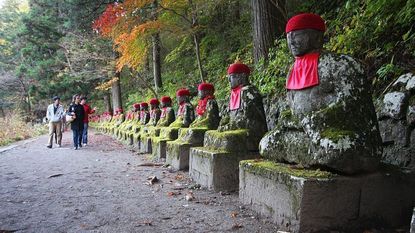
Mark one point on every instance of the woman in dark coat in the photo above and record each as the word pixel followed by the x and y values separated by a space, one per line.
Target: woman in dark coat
pixel 76 110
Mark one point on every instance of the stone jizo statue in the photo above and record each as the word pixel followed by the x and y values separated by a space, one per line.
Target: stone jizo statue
pixel 245 110
pixel 155 112
pixel 167 113
pixel 207 110
pixel 185 113
pixel 331 121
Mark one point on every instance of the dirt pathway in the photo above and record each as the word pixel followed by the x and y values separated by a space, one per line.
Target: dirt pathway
pixel 102 188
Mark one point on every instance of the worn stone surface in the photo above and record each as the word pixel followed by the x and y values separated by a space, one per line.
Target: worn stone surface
pixel 159 143
pixel 216 169
pixel 250 116
pixel 273 106
pixel 177 154
pixel 331 125
pixel 394 105
pixel 177 151
pixel 396 115
pixel 315 201
pixel 232 140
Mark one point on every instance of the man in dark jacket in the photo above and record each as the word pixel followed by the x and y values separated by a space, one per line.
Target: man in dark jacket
pixel 76 110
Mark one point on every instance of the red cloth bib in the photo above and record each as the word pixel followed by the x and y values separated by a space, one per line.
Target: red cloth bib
pixel 163 112
pixel 201 106
pixel 181 109
pixel 304 73
pixel 235 101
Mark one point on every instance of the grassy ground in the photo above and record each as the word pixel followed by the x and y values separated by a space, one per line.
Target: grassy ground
pixel 14 128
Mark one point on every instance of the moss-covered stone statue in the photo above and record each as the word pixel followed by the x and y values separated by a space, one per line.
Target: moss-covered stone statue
pixel 216 164
pixel 185 113
pixel 167 115
pixel 119 119
pixel 207 112
pixel 331 121
pixel 155 112
pixel 245 112
pixel 126 126
pixel 144 118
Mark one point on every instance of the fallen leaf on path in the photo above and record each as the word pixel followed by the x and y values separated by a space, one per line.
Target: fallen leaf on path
pixel 237 226
pixel 152 180
pixel 178 177
pixel 189 196
pixel 171 194
pixel 234 214
pixel 56 175
pixel 224 193
pixel 146 223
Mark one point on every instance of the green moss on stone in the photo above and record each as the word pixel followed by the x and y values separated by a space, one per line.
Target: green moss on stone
pixel 228 134
pixel 335 134
pixel 265 167
pixel 177 123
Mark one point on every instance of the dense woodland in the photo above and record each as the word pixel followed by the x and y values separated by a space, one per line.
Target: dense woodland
pixel 121 52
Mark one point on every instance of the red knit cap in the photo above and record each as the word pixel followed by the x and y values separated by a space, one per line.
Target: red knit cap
pixel 206 87
pixel 166 99
pixel 305 21
pixel 154 101
pixel 136 105
pixel 183 92
pixel 144 104
pixel 238 68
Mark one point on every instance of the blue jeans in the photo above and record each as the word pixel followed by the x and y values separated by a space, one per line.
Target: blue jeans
pixel 77 135
pixel 85 134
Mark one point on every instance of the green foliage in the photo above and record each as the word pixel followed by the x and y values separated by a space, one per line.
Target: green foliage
pixel 270 77
pixel 379 32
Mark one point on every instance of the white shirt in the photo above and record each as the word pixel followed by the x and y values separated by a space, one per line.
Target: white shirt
pixel 55 117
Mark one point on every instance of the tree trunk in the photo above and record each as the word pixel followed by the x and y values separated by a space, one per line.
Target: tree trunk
pixel 265 25
pixel 116 92
pixel 199 62
pixel 107 102
pixel 156 61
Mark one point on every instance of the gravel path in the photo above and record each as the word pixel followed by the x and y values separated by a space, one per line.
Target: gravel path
pixel 104 188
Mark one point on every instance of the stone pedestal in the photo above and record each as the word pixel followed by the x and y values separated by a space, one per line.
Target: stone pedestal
pixel 177 154
pixel 159 143
pixel 145 144
pixel 216 169
pixel 315 201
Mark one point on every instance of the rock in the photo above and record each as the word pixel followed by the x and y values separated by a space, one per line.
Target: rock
pixel 273 107
pixel 393 132
pixel 331 125
pixel 402 81
pixel 410 85
pixel 410 115
pixel 394 105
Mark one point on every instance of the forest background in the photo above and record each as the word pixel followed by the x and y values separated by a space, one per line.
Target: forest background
pixel 121 52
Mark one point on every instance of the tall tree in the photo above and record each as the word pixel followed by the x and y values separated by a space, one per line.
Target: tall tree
pixel 268 21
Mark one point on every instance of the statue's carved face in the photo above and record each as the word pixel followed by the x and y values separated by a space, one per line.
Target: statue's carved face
pixel 143 108
pixel 182 99
pixel 203 94
pixel 301 42
pixel 153 106
pixel 165 104
pixel 238 79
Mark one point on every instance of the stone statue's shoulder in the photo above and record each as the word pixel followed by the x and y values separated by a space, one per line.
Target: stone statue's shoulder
pixel 339 64
pixel 251 92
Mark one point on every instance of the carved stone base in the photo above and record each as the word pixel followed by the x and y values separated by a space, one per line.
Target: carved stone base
pixel 177 155
pixel 314 201
pixel 216 170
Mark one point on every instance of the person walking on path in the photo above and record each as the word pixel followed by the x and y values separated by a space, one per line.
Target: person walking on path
pixel 88 111
pixel 77 113
pixel 54 115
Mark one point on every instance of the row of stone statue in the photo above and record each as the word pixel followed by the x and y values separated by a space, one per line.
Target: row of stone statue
pixel 330 120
